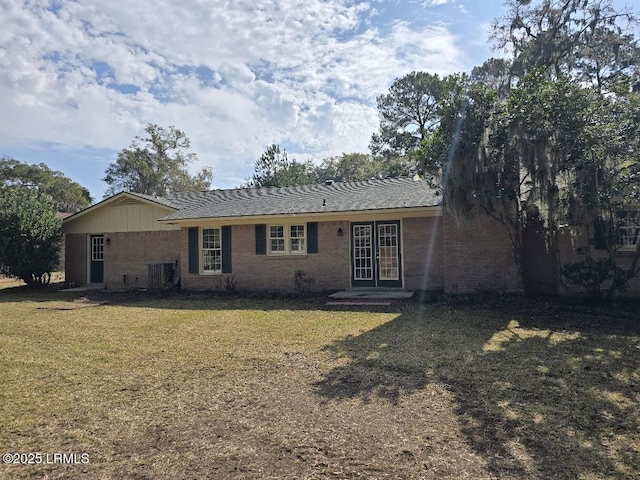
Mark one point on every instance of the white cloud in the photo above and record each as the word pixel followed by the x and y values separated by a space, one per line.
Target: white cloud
pixel 432 3
pixel 235 76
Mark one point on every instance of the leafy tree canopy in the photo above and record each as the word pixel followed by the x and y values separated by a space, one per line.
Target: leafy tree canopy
pixel 495 74
pixel 553 149
pixel 275 169
pixel 67 195
pixel 407 114
pixel 156 165
pixel 589 40
pixel 360 166
pixel 30 235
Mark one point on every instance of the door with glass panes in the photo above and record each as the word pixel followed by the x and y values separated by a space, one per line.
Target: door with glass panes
pixel 375 254
pixel 96 266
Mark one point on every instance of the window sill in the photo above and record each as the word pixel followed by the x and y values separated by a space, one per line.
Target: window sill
pixel 286 255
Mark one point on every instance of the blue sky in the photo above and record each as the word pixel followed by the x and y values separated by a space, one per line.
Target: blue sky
pixel 80 79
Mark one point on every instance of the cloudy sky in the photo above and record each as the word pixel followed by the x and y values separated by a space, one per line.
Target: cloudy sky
pixel 80 79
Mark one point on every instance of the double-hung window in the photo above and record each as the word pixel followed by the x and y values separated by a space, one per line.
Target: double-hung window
pixel 287 239
pixel 277 242
pixel 297 239
pixel 211 250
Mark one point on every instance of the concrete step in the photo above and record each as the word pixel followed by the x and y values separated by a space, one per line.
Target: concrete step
pixel 373 294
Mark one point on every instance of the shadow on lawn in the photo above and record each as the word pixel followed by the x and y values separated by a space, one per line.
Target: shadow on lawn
pixel 534 399
pixel 186 300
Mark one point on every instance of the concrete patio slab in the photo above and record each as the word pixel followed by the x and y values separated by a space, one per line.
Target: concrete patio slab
pixel 359 302
pixel 84 288
pixel 372 294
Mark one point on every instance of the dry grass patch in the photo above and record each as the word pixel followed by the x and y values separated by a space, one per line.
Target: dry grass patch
pixel 196 387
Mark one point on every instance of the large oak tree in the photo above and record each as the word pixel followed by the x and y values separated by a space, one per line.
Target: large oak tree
pixel 156 165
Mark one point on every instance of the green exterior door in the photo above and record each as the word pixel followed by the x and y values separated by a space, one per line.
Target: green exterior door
pixel 96 268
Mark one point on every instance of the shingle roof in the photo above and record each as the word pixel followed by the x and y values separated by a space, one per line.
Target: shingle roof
pixel 365 195
pixel 159 200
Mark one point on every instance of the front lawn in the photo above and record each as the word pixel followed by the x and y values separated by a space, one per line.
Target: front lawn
pixel 198 387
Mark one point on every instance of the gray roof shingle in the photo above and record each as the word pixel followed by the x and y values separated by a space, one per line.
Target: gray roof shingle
pixel 365 195
pixel 159 200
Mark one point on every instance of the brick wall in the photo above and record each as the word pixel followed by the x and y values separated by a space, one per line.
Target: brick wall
pixel 329 267
pixel 423 253
pixel 129 253
pixel 62 253
pixel 540 268
pixel 477 255
pixel 75 259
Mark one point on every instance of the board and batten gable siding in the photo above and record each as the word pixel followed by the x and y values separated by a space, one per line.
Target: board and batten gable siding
pixel 126 215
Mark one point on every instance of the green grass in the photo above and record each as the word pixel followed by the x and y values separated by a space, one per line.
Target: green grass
pixel 193 386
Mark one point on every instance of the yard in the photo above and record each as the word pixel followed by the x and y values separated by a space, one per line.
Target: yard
pixel 197 387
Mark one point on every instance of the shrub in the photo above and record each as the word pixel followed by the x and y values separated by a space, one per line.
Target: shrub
pixel 596 275
pixel 302 280
pixel 30 236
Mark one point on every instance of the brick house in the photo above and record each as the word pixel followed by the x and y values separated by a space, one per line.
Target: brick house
pixel 378 233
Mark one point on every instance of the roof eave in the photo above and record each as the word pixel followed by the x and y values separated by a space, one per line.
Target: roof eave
pixel 435 210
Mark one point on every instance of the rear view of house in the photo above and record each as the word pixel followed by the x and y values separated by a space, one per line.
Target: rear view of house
pixel 390 233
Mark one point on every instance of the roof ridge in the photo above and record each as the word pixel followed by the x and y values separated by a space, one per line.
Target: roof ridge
pixel 369 181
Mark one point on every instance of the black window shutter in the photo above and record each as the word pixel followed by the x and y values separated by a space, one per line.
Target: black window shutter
pixel 193 250
pixel 312 237
pixel 226 249
pixel 261 239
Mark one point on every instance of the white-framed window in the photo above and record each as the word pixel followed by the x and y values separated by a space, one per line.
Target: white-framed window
pixel 211 250
pixel 287 239
pixel 277 243
pixel 297 238
pixel 630 231
pixel 97 249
